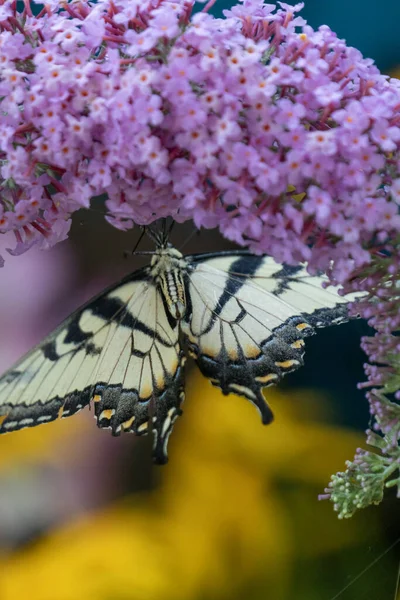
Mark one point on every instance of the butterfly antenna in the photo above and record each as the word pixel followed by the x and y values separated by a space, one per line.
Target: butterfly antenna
pixel 166 230
pixel 155 235
pixel 190 236
pixel 171 228
pixel 132 252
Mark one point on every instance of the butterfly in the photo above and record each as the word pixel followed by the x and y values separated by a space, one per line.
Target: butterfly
pixel 241 317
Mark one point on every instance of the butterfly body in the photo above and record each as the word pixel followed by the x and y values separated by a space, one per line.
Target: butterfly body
pixel 168 267
pixel 243 318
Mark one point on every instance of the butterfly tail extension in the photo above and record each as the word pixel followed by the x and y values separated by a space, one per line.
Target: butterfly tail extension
pixel 232 378
pixel 167 410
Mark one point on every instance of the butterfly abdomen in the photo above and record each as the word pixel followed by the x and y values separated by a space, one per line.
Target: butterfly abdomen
pixel 173 290
pixel 167 267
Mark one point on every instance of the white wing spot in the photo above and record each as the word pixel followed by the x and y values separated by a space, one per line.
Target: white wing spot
pixel 26 421
pixel 10 424
pixel 242 390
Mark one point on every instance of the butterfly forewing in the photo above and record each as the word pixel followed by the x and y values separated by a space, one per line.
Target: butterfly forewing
pixel 248 317
pixel 121 351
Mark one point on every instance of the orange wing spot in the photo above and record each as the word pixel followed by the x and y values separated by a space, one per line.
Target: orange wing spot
pixel 2 419
pixel 267 378
pixel 286 364
pixel 146 391
pixel 297 344
pixel 96 398
pixel 302 326
pixel 160 382
pixel 172 368
pixel 143 427
pixel 192 354
pixel 107 414
pixel 233 353
pixel 60 412
pixel 127 424
pixel 252 351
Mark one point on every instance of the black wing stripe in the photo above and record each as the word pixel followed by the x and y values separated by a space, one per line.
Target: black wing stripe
pixel 284 277
pixel 216 314
pixel 75 334
pixel 286 272
pixel 47 368
pixel 284 286
pixel 230 323
pixel 114 332
pixel 103 310
pixel 268 294
pixel 233 284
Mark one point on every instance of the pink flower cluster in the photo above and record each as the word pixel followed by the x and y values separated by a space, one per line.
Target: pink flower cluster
pixel 282 136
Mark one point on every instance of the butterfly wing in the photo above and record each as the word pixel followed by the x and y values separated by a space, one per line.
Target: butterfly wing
pixel 247 319
pixel 121 350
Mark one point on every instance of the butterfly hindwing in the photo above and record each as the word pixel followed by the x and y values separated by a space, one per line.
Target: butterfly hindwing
pixel 247 319
pixel 121 351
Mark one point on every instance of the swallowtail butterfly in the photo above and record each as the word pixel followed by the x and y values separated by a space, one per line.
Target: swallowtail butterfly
pixel 242 318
